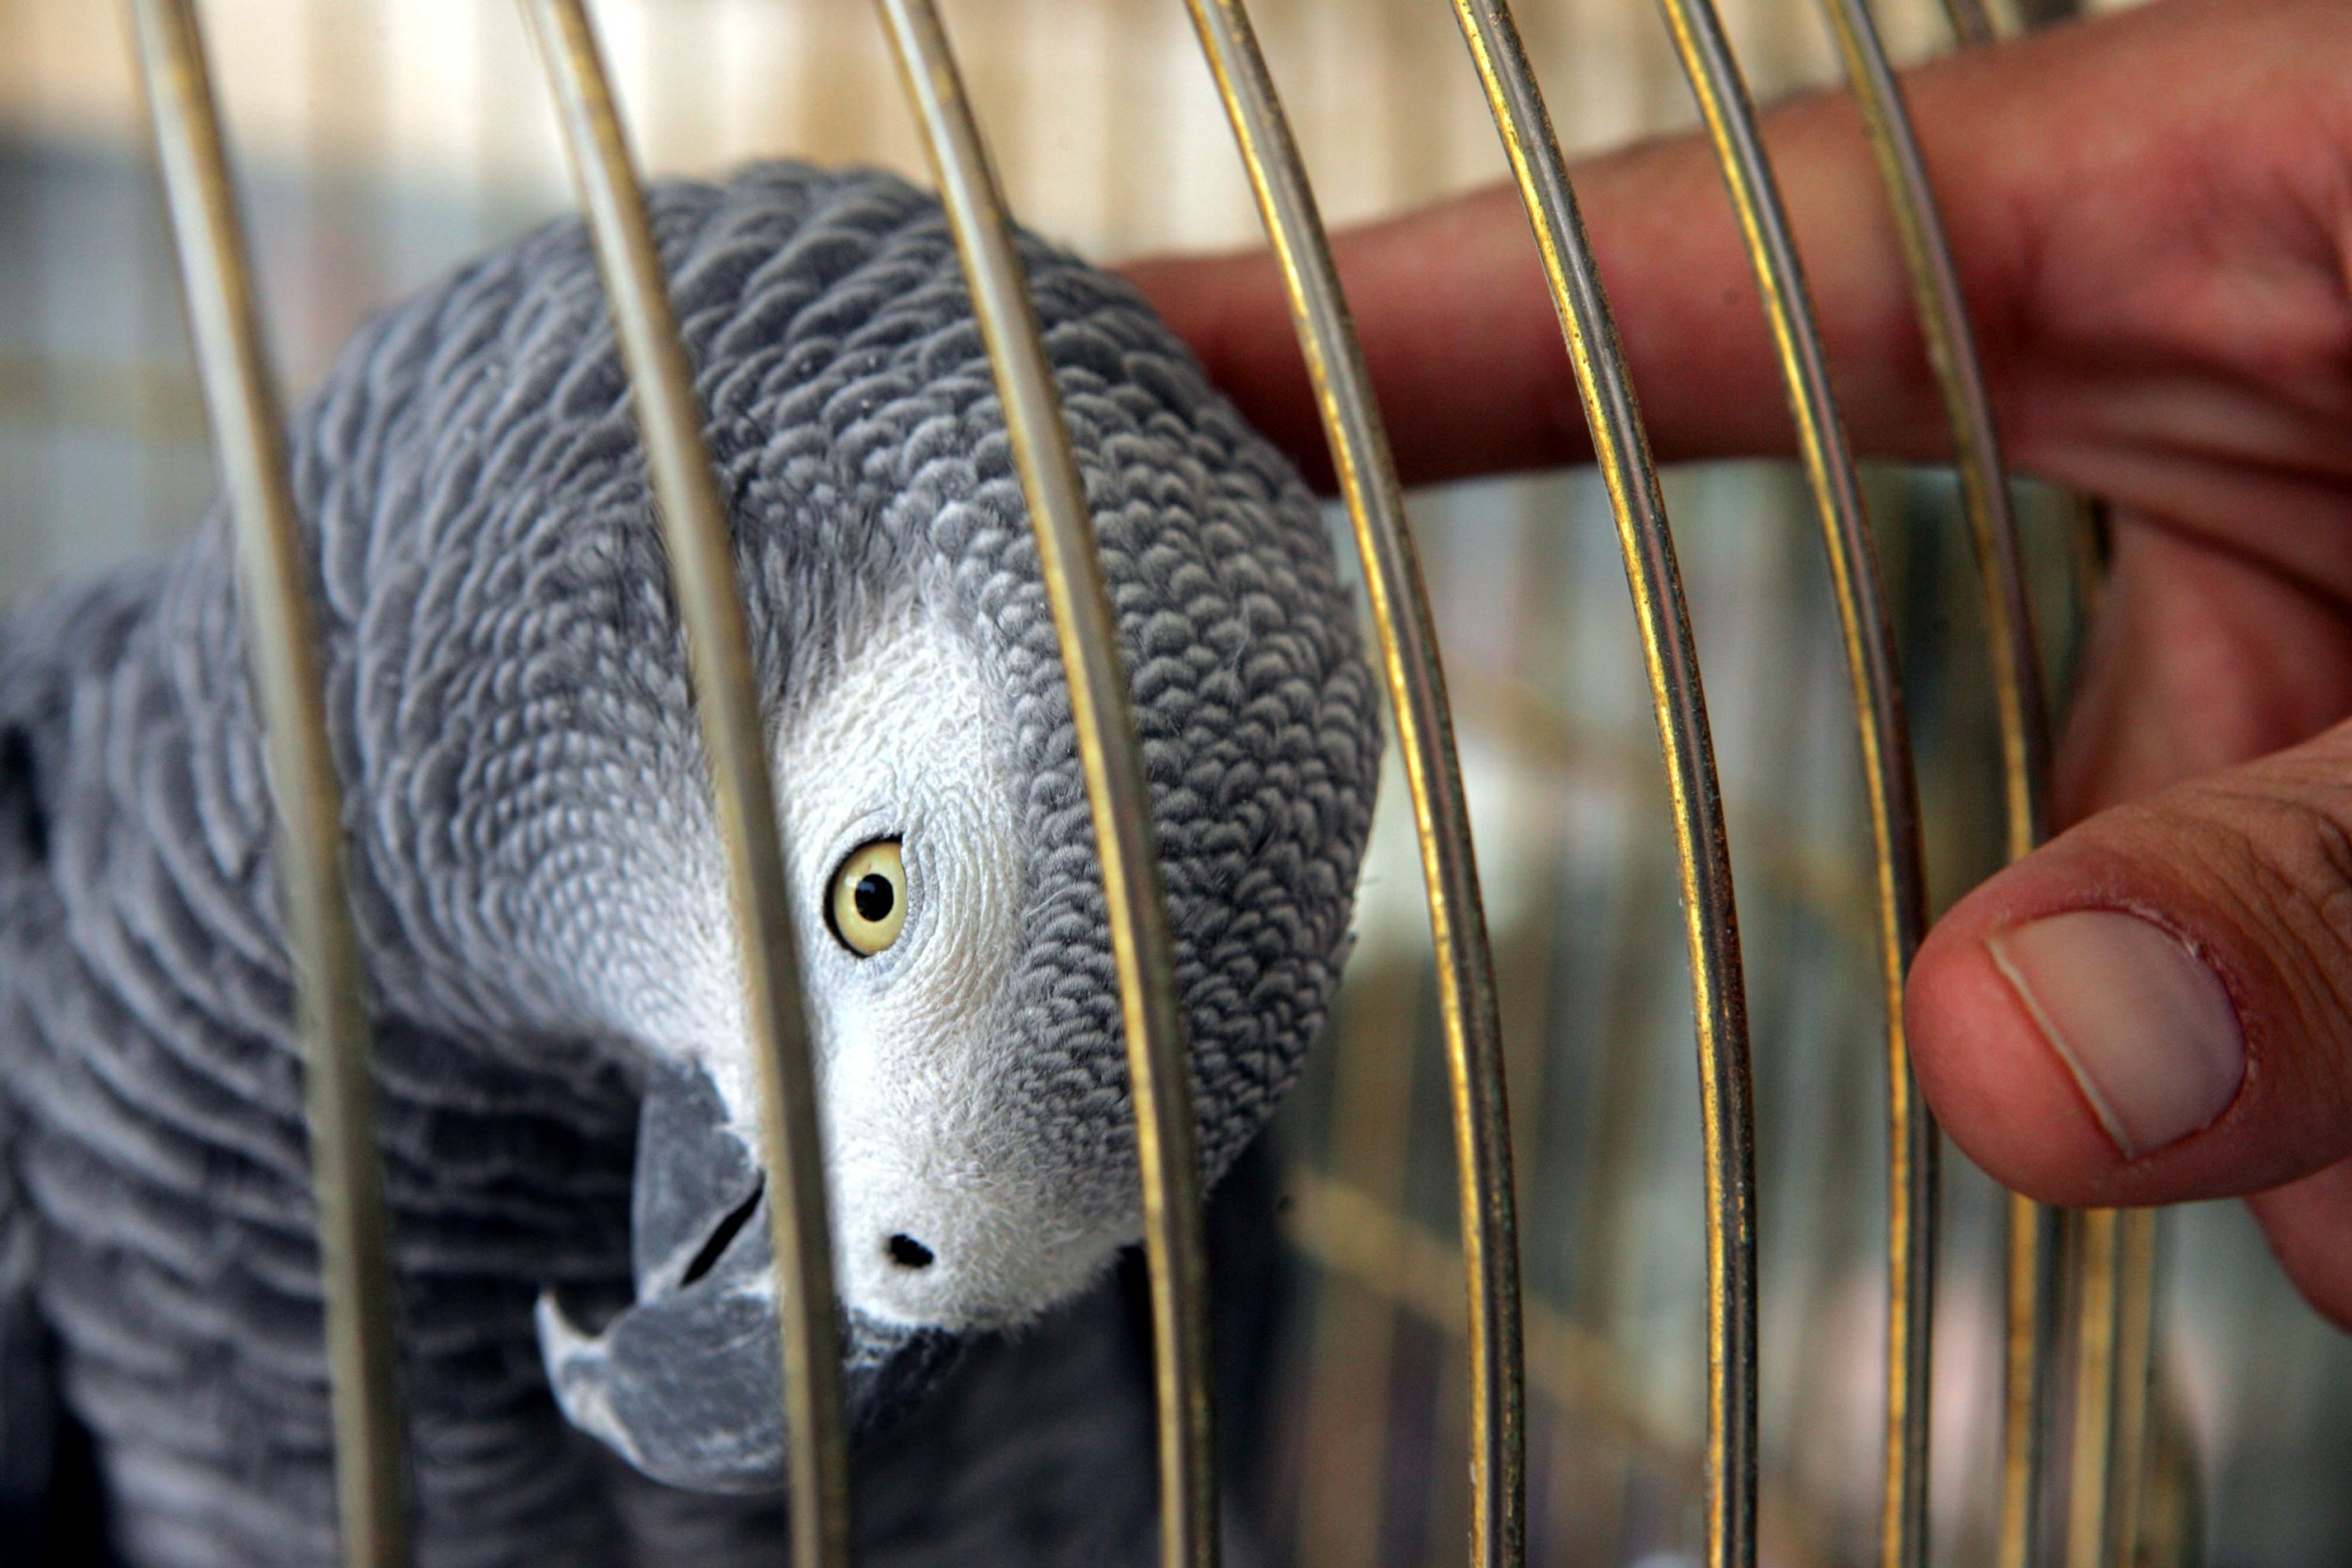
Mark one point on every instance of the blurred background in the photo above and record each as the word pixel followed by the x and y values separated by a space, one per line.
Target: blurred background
pixel 381 141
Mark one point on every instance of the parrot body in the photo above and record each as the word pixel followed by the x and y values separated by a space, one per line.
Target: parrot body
pixel 581 1255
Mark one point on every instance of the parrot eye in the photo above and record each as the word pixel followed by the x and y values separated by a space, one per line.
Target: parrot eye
pixel 867 904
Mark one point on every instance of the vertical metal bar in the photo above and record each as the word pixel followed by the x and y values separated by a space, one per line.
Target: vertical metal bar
pixel 274 582
pixel 2014 659
pixel 1971 24
pixel 2036 1260
pixel 1424 724
pixel 2021 704
pixel 1611 1246
pixel 2114 1335
pixel 1891 788
pixel 2038 1263
pixel 2036 1281
pixel 1711 922
pixel 1166 1137
pixel 2040 1268
pixel 694 528
pixel 1352 1347
pixel 2102 1286
pixel 2094 1437
pixel 2135 1370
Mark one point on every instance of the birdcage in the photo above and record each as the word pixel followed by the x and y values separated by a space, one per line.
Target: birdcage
pixel 1666 1328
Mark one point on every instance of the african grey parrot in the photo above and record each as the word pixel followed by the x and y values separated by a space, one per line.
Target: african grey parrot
pixel 561 1065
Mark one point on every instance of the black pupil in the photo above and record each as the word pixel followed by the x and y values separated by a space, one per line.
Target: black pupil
pixel 873 897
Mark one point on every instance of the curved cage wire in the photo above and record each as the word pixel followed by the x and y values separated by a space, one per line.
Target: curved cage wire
pixel 1558 1450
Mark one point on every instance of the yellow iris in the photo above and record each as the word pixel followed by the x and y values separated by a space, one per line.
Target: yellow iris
pixel 868 902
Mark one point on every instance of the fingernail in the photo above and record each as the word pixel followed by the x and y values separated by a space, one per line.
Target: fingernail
pixel 2144 1026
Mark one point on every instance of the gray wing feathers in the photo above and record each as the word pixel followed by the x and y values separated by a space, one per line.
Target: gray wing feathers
pixel 27 1394
pixel 49 1512
pixel 28 1399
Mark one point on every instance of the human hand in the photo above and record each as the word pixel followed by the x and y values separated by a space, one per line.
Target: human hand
pixel 2152 216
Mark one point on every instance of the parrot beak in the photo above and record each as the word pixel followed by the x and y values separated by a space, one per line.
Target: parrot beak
pixel 686 1384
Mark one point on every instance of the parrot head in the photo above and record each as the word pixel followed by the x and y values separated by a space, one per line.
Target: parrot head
pixel 537 859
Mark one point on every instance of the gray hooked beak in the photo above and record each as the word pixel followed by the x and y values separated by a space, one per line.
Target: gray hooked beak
pixel 686 1384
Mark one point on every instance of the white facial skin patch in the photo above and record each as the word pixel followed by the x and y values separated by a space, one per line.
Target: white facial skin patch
pixel 951 1207
pixel 944 1213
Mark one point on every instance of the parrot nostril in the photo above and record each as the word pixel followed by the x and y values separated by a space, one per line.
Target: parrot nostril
pixel 908 1253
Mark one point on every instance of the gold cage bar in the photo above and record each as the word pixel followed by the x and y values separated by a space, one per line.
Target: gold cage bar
pixel 710 602
pixel 2136 1409
pixel 2034 1260
pixel 1971 24
pixel 1157 1059
pixel 2020 709
pixel 2021 704
pixel 274 583
pixel 1416 679
pixel 2110 1278
pixel 2091 1455
pixel 1677 701
pixel 2114 1254
pixel 2044 1269
pixel 2029 1378
pixel 1890 784
pixel 1353 1337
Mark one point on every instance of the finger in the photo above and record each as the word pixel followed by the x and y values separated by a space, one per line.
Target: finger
pixel 2157 1006
pixel 2308 1223
pixel 2202 656
pixel 1457 332
pixel 1466 354
pixel 2153 1007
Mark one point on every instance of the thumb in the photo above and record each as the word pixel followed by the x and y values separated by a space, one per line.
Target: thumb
pixel 2157 1007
